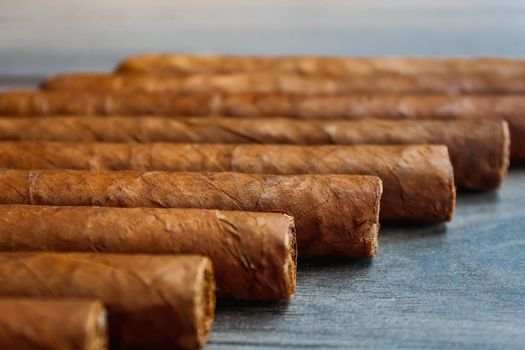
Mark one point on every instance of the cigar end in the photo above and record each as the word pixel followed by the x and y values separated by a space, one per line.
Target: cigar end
pixel 97 328
pixel 494 153
pixel 47 83
pixel 290 262
pixel 503 167
pixel 451 206
pixel 204 302
pixel 125 66
pixel 372 244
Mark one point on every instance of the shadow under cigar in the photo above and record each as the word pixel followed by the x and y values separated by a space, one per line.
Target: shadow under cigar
pixel 330 272
pixel 333 262
pixel 466 192
pixel 411 230
pixel 517 168
pixel 470 197
pixel 271 307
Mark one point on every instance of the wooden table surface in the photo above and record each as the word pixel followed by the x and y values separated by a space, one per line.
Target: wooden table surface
pixel 459 285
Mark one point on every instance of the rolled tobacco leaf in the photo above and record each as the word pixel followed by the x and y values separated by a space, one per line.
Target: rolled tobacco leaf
pixel 334 214
pixel 254 254
pixel 418 180
pixel 324 107
pixel 479 149
pixel 53 324
pixel 153 302
pixel 181 64
pixel 271 82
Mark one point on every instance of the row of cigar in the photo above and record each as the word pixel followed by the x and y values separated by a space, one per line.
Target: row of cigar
pixel 129 200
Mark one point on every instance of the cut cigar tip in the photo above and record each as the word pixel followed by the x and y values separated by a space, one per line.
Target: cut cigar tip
pixel 452 190
pixel 98 327
pixel 290 265
pixel 372 245
pixel 453 206
pixel 444 208
pixel 371 241
pixel 52 323
pixel 505 159
pixel 204 301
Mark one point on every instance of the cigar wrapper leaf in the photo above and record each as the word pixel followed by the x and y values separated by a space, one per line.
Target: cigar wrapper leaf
pixel 53 324
pixel 334 214
pixel 349 107
pixel 279 83
pixel 153 302
pixel 254 254
pixel 182 64
pixel 418 181
pixel 479 149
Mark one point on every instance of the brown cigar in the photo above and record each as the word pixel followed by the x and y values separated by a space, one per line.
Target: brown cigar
pixel 317 65
pixel 334 215
pixel 253 253
pixel 351 107
pixel 418 180
pixel 289 84
pixel 65 324
pixel 153 302
pixel 479 149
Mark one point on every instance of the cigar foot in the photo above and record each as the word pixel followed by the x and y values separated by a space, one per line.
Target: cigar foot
pixel 290 261
pixel 97 328
pixel 51 323
pixel 204 303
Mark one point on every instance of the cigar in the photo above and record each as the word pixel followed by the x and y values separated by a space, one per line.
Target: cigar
pixel 479 149
pixel 253 254
pixel 258 105
pixel 66 324
pixel 418 180
pixel 289 83
pixel 153 302
pixel 182 64
pixel 334 215
pixel 350 107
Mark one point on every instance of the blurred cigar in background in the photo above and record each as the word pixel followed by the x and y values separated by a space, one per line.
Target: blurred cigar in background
pixel 418 182
pixel 509 108
pixel 66 324
pixel 317 65
pixel 479 149
pixel 290 84
pixel 254 254
pixel 334 214
pixel 153 301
